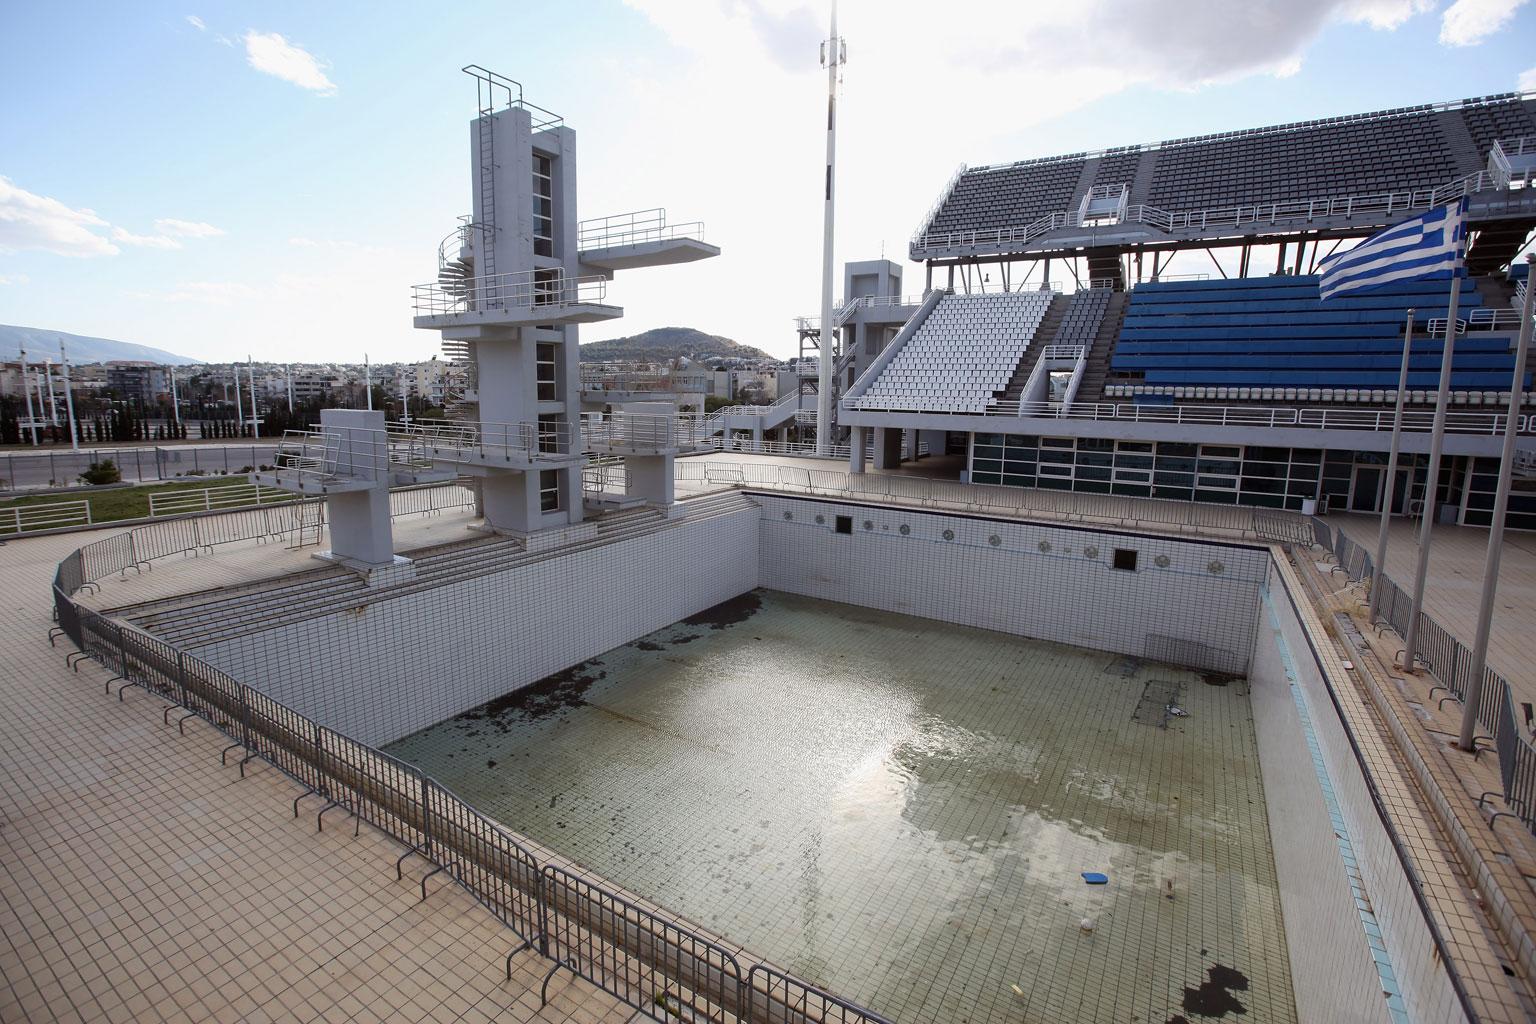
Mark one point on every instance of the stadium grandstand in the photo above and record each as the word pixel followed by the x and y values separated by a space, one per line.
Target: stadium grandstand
pixel 1238 384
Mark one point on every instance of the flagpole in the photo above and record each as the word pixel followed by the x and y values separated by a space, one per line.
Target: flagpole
pixel 1432 481
pixel 69 400
pixel 1496 528
pixel 26 389
pixel 1397 444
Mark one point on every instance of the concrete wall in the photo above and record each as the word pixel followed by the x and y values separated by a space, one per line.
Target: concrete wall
pixel 1331 847
pixel 389 669
pixel 1036 581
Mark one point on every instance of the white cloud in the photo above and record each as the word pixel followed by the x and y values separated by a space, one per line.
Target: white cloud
pixel 270 53
pixel 14 279
pixel 186 228
pixel 1469 22
pixel 1527 81
pixel 211 292
pixel 196 23
pixel 31 221
pixel 144 241
pixel 305 243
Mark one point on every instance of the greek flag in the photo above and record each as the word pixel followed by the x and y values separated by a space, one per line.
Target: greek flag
pixel 1428 245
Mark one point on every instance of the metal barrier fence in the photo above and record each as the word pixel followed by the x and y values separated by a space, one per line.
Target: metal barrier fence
pixel 1263 524
pixel 20 470
pixel 662 969
pixel 213 499
pixel 1451 663
pixel 49 516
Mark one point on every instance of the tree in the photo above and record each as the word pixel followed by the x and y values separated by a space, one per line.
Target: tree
pixel 103 472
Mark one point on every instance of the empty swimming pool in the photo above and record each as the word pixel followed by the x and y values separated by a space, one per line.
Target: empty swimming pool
pixel 904 810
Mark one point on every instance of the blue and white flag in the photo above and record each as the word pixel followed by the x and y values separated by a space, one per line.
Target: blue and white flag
pixel 1430 244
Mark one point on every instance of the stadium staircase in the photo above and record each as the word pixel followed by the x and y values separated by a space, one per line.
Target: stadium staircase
pixel 1104 268
pixel 1096 368
pixel 207 617
pixel 1045 335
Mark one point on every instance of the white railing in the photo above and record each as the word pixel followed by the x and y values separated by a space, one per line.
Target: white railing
pixel 620 432
pixel 1073 352
pixel 50 516
pixel 212 499
pixel 938 204
pixel 333 454
pixel 634 228
pixel 1477 423
pixel 455 440
pixel 605 475
pixel 625 381
pixel 1230 217
pixel 522 290
pixel 798 449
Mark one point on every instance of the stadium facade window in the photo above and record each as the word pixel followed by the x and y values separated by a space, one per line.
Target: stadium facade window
pixel 549 432
pixel 543 205
pixel 549 490
pixel 547 371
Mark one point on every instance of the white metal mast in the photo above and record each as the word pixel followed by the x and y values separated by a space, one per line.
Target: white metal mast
pixel 833 54
pixel 26 389
pixel 69 399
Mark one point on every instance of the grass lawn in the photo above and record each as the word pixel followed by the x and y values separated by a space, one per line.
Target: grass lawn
pixel 133 502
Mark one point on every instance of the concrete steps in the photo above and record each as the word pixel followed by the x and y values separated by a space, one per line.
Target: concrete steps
pixel 1045 335
pixel 198 620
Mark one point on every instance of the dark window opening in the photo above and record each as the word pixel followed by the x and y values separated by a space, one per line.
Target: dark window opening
pixel 1125 559
pixel 845 524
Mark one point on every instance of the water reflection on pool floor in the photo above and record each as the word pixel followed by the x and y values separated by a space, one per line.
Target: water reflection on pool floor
pixel 902 810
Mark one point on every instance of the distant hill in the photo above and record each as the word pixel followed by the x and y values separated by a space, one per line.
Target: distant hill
pixel 664 343
pixel 44 344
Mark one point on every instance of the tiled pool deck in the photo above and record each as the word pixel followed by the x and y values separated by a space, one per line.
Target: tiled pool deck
pixel 902 810
pixel 140 881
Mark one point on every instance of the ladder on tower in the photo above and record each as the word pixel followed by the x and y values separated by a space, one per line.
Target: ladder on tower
pixel 489 88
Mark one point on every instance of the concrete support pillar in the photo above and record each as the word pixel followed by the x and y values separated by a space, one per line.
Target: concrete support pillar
pixel 360 531
pixel 511 501
pixel 784 435
pixel 757 435
pixel 856 450
pixel 652 478
pixel 887 447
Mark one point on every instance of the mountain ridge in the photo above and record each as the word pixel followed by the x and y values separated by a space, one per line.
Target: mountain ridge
pixel 661 344
pixel 42 344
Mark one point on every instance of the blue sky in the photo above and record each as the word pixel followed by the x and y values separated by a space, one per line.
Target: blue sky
pixel 207 187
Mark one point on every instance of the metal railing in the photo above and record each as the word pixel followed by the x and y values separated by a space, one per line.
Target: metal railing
pixel 333 454
pixel 1228 217
pixel 1477 423
pixel 1273 525
pixel 639 433
pixel 212 499
pixel 51 515
pixel 1451 664
pixel 1479 319
pixel 551 440
pixel 634 228
pixel 523 290
pixel 663 969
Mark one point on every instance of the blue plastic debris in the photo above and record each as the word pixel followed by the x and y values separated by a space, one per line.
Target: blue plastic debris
pixel 1095 878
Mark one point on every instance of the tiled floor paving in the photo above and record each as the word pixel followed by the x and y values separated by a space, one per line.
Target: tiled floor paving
pixel 140 881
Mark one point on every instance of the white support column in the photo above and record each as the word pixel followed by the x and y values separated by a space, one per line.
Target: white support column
pixel 856 450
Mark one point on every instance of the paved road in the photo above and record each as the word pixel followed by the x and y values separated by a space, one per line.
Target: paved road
pixel 23 470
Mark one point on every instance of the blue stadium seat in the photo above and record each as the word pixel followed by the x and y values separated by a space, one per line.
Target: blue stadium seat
pixel 1257 334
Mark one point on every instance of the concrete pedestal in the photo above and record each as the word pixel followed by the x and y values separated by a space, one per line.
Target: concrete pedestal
pixel 856 450
pixel 651 478
pixel 360 527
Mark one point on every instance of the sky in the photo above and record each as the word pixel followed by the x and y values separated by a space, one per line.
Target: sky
pixel 218 179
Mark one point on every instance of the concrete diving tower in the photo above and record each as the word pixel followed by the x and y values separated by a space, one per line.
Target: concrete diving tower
pixel 515 281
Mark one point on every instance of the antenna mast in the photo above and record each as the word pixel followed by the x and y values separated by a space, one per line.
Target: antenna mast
pixel 833 54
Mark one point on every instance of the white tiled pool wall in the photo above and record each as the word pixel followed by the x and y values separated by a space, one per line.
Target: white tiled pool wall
pixel 386 670
pixel 1046 582
pixel 1335 971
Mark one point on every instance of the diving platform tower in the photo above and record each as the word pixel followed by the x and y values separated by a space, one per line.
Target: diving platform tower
pixel 515 281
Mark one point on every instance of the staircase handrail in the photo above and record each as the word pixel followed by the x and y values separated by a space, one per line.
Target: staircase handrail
pixel 523 289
